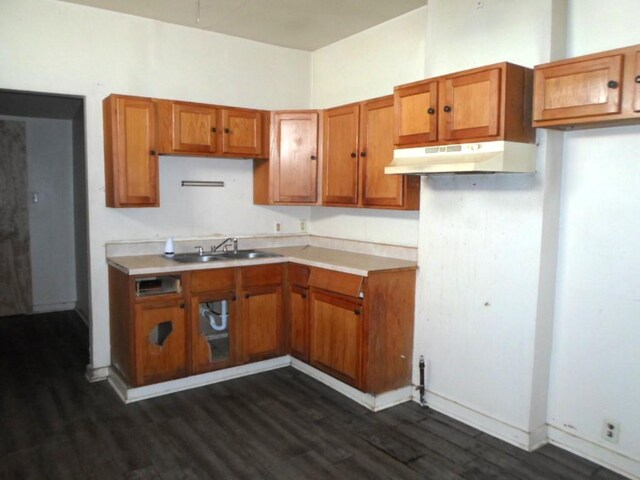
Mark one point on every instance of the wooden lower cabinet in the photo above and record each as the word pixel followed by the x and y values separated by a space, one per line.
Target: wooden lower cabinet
pixel 361 328
pixel 160 340
pixel 148 332
pixel 298 311
pixel 336 335
pixel 355 328
pixel 262 312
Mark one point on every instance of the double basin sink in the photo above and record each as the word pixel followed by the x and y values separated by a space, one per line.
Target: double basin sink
pixel 216 257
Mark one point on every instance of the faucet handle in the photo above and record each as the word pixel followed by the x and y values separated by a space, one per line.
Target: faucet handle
pixel 200 250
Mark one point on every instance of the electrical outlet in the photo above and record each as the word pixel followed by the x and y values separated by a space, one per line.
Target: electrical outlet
pixel 610 430
pixel 277 227
pixel 303 225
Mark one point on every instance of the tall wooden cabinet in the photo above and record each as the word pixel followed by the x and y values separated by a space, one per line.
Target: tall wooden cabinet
pixel 290 175
pixel 591 90
pixel 131 153
pixel 482 104
pixel 358 144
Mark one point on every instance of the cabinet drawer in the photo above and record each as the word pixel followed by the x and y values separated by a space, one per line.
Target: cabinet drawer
pixel 261 275
pixel 213 280
pixel 299 275
pixel 344 283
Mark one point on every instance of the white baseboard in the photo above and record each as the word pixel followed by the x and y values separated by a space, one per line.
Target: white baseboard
pixel 97 374
pixel 599 454
pixel 53 307
pixel 372 402
pixel 129 395
pixel 497 428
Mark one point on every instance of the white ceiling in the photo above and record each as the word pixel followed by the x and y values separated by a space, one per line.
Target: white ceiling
pixel 300 24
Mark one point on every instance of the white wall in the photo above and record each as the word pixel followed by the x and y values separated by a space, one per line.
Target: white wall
pixel 51 220
pixel 57 47
pixel 363 66
pixel 595 361
pixel 483 323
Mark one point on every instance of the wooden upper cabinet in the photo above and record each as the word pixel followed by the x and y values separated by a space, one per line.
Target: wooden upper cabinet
pixel 589 87
pixel 592 90
pixel 340 166
pixel 415 109
pixel 376 152
pixel 294 157
pixel 471 105
pixel 131 157
pixel 483 104
pixel 195 128
pixel 242 131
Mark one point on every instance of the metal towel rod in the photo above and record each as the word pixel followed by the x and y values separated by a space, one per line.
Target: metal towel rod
pixel 202 183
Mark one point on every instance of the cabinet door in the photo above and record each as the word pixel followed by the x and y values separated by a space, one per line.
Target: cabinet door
pixel 242 131
pixel 299 316
pixel 376 152
pixel 636 84
pixel 160 341
pixel 195 128
pixel 340 179
pixel 213 331
pixel 416 114
pixel 131 159
pixel 336 336
pixel 262 322
pixel 578 89
pixel 295 157
pixel 470 106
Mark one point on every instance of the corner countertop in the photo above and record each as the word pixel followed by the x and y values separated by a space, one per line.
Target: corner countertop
pixel 338 260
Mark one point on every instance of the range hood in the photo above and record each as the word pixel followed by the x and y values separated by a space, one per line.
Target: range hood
pixel 486 157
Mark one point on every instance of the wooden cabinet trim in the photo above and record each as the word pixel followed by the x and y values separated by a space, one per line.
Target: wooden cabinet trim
pixel 330 280
pixel 213 280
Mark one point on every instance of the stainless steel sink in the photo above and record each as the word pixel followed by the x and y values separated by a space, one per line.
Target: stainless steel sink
pixel 248 255
pixel 213 257
pixel 196 258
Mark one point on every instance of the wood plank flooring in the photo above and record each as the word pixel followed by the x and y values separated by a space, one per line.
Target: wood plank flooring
pixel 276 425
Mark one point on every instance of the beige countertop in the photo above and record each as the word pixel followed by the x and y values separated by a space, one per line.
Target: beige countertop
pixel 338 260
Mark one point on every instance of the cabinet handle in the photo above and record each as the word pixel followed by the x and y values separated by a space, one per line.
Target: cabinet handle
pixel 247 295
pixel 303 295
pixel 612 84
pixel 233 298
pixel 353 155
pixel 638 79
pixel 357 311
pixel 313 157
pixel 226 130
pixel 152 152
pixel 431 111
pixel 181 304
pixel 363 154
pixel 447 108
pixel 213 130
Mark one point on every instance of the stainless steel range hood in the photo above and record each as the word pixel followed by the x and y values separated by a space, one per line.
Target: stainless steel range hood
pixel 486 157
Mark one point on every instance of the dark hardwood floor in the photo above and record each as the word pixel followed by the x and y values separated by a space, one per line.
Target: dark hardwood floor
pixel 276 425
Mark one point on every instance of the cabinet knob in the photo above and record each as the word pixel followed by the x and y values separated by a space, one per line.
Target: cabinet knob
pixel 152 152
pixel 303 295
pixel 447 108
pixel 357 311
pixel 612 84
pixel 638 79
pixel 247 295
pixel 181 305
pixel 353 155
pixel 363 154
pixel 431 111
pixel 226 130
pixel 233 298
pixel 213 130
pixel 313 157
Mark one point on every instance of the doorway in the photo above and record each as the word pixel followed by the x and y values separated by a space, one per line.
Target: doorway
pixel 44 263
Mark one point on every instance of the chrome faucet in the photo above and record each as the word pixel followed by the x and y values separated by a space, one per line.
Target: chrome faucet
pixel 234 240
pixel 200 250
